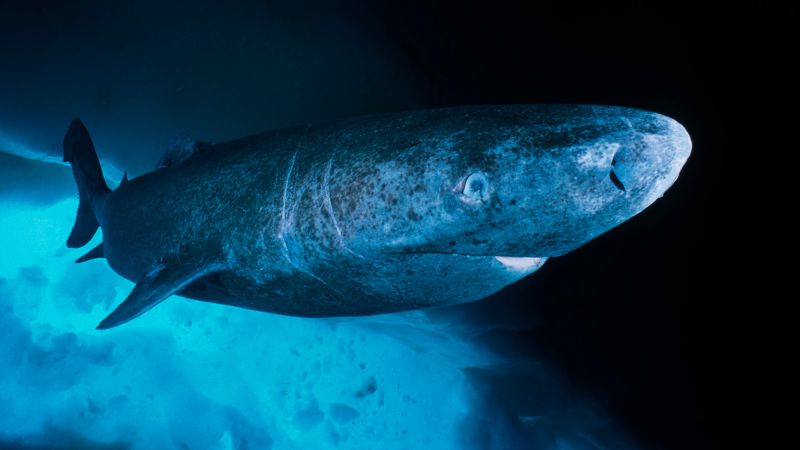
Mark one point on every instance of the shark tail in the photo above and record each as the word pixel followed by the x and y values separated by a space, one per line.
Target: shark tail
pixel 79 152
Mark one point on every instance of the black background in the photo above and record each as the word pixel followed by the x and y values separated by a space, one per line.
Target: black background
pixel 634 319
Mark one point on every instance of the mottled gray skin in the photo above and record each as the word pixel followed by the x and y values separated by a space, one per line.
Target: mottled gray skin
pixel 370 215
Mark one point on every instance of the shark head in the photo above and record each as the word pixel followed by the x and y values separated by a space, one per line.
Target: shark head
pixel 457 203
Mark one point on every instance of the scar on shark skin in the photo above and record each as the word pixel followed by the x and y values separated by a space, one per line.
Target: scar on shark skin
pixel 329 206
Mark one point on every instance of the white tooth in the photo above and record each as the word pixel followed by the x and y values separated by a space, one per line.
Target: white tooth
pixel 520 263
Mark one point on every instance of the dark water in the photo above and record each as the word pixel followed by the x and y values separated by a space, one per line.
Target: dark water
pixel 607 347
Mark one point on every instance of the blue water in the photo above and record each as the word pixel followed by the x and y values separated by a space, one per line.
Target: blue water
pixel 194 375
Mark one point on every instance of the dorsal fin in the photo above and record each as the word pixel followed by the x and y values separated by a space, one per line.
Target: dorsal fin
pixel 124 180
pixel 166 277
pixel 178 150
pixel 94 253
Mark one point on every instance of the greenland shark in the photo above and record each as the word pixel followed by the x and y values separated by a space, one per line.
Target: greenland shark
pixel 373 214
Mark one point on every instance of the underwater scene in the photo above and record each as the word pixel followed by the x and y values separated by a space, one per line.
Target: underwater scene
pixel 348 225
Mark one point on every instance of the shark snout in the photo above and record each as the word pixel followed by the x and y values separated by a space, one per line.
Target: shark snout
pixel 647 165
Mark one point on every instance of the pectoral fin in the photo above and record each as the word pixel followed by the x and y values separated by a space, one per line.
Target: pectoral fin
pixel 165 278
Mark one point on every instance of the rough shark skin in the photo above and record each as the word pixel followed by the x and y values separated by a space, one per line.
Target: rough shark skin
pixel 376 214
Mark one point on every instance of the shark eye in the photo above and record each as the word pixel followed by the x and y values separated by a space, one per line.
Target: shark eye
pixel 475 188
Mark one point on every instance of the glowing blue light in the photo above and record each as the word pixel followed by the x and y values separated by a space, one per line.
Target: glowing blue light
pixel 206 376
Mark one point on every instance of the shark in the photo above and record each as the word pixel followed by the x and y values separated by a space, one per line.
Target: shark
pixel 374 214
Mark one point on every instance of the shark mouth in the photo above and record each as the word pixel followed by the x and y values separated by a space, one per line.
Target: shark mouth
pixel 521 264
